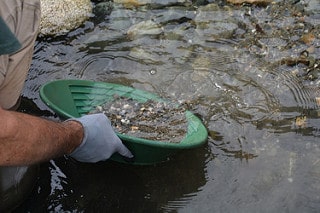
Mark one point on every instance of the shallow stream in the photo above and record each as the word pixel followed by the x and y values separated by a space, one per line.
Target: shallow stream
pixel 250 72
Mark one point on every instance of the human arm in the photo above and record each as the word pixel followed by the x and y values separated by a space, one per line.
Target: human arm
pixel 26 139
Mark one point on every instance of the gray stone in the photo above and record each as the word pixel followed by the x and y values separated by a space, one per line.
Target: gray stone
pixel 60 16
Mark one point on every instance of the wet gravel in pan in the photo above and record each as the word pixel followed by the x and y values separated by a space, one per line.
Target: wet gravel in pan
pixel 151 120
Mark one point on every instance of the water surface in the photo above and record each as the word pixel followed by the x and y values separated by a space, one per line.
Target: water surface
pixel 240 68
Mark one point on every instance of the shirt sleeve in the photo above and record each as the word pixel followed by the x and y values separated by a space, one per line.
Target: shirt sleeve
pixel 8 42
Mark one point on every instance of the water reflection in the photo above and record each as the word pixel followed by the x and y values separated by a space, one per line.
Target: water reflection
pixel 113 187
pixel 230 65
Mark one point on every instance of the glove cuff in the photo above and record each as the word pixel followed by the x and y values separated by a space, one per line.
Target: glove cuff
pixel 79 151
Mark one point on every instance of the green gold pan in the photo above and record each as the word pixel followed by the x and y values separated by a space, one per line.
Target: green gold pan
pixel 74 98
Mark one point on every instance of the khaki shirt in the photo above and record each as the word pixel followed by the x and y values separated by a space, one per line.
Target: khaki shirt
pixel 23 19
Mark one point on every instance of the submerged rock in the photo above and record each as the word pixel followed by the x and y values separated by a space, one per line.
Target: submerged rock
pixel 211 23
pixel 250 1
pixel 102 10
pixel 148 27
pixel 61 16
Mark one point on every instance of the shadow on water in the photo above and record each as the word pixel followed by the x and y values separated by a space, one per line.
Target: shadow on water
pixel 113 187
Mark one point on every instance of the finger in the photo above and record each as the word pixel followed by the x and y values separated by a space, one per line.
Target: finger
pixel 124 151
pixel 129 160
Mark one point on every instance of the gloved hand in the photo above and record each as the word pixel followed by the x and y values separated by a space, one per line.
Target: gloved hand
pixel 99 141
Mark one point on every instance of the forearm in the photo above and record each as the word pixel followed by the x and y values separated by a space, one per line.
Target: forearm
pixel 25 139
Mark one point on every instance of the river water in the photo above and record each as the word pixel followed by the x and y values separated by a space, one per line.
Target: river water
pixel 250 72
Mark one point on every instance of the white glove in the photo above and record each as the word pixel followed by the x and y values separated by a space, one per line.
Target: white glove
pixel 99 141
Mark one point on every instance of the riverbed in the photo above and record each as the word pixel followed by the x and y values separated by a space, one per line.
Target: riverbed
pixel 250 72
